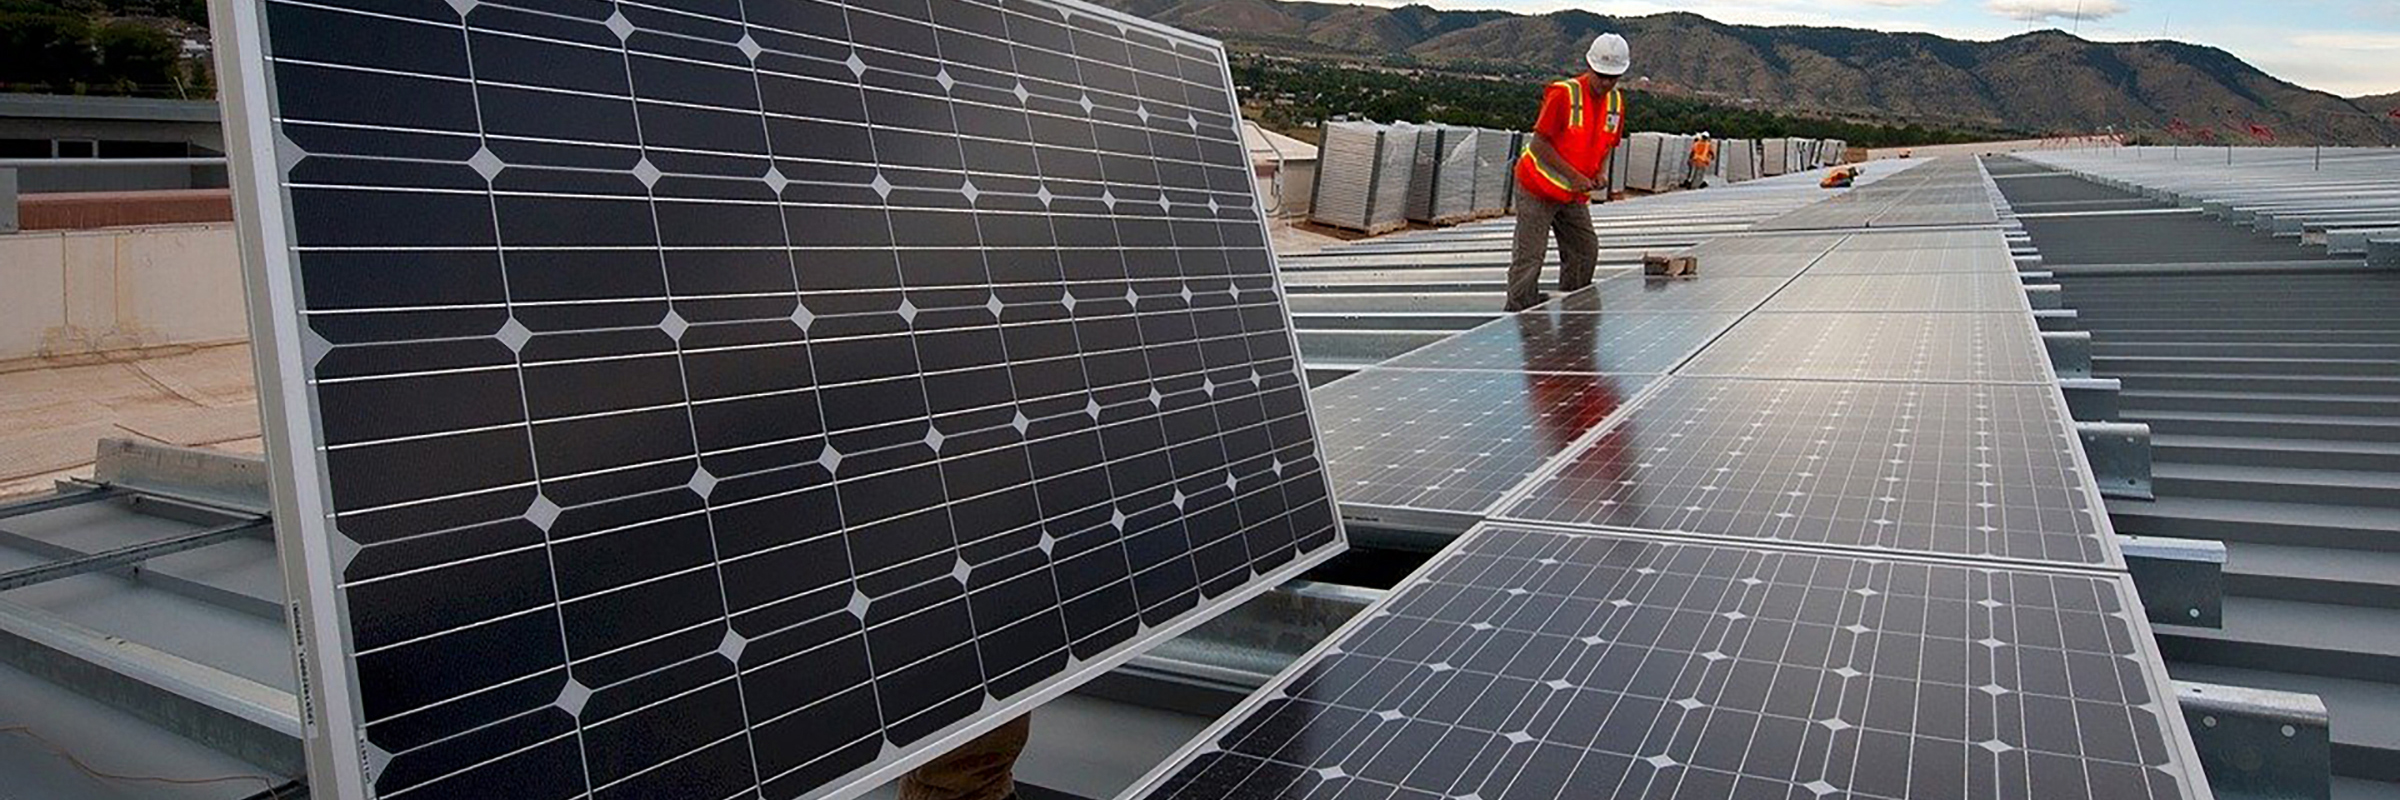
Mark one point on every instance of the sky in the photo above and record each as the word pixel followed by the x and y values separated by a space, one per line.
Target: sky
pixel 2347 47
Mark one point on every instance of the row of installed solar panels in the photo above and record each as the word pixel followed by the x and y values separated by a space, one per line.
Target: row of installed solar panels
pixel 1377 177
pixel 1812 525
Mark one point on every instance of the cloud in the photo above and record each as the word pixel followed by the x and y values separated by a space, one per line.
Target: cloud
pixel 2040 10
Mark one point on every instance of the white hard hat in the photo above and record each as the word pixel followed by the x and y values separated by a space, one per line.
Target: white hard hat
pixel 1609 55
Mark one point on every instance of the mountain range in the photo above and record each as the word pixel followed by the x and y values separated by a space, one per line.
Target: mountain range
pixel 2039 82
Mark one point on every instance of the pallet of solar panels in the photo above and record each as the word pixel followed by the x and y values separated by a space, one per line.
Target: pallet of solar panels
pixel 1737 160
pixel 1441 179
pixel 1363 175
pixel 1508 172
pixel 1494 151
pixel 1645 160
pixel 1675 162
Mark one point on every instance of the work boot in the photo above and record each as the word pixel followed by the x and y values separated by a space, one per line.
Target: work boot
pixel 1516 304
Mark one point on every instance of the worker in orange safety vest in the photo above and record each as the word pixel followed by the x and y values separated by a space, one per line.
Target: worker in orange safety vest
pixel 1582 119
pixel 1704 155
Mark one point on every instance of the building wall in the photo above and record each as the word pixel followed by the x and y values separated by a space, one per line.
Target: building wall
pixel 81 293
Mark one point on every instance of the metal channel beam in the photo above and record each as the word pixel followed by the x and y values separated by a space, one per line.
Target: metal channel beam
pixel 2259 744
pixel 241 717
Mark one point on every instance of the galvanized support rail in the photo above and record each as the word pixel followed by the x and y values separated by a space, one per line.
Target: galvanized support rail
pixel 128 555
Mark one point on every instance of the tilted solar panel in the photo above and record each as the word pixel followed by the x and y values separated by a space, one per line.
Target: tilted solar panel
pixel 1534 663
pixel 734 398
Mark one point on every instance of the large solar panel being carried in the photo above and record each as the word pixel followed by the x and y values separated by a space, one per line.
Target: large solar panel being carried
pixel 736 399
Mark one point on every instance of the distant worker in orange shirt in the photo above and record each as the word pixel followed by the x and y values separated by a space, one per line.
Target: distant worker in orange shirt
pixel 1704 155
pixel 1582 118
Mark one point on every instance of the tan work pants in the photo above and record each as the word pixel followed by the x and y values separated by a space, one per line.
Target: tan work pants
pixel 982 769
pixel 1578 247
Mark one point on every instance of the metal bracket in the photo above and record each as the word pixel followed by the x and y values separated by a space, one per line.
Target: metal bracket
pixel 2181 581
pixel 2120 456
pixel 206 477
pixel 2383 252
pixel 2045 296
pixel 2070 353
pixel 2036 276
pixel 2259 744
pixel 2092 399
pixel 2055 319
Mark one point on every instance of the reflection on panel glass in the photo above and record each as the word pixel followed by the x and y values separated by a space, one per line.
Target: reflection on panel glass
pixel 1453 440
pixel 1553 341
pixel 1952 469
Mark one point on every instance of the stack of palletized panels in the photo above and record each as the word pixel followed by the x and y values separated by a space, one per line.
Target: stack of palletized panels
pixel 1675 162
pixel 1508 171
pixel 1493 158
pixel 1363 176
pixel 1644 159
pixel 1836 150
pixel 1620 159
pixel 1774 157
pixel 1740 159
pixel 1796 157
pixel 1441 186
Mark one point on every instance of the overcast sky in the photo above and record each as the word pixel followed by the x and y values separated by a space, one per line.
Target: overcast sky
pixel 2348 47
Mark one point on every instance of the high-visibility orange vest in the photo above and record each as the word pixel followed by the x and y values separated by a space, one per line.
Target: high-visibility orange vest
pixel 1585 143
pixel 1704 152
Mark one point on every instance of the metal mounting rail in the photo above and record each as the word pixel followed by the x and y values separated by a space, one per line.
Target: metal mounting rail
pixel 128 555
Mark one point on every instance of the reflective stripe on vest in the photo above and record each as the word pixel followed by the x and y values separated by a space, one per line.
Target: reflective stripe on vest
pixel 1581 140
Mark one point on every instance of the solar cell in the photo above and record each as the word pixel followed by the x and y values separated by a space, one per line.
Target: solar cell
pixel 1552 341
pixel 730 398
pixel 1527 663
pixel 1906 346
pixel 1454 441
pixel 1980 470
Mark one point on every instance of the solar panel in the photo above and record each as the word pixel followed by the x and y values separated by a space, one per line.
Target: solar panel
pixel 1453 441
pixel 1979 251
pixel 1553 341
pixel 1981 470
pixel 724 398
pixel 1948 291
pixel 1643 294
pixel 1530 663
pixel 1907 346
